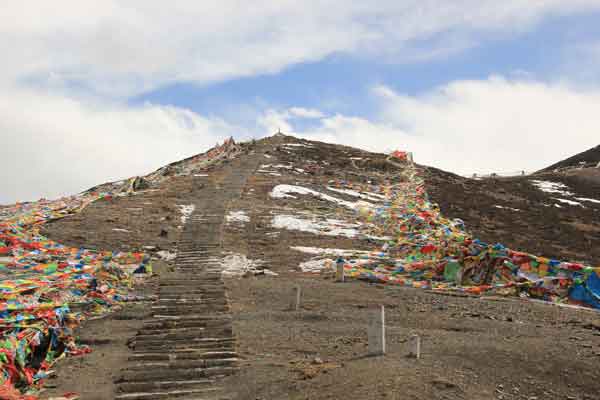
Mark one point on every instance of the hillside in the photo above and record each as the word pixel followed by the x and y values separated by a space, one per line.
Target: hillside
pixel 587 159
pixel 556 214
pixel 233 232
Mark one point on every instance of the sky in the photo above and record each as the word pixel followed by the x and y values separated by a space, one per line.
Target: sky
pixel 98 91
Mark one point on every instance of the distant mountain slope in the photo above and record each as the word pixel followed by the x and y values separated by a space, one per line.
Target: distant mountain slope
pixel 588 158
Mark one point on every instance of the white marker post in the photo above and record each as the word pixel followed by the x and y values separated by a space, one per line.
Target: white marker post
pixel 414 343
pixel 295 304
pixel 339 270
pixel 376 332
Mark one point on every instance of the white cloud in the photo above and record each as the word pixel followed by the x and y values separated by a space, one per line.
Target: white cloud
pixel 68 66
pixel 300 112
pixel 271 120
pixel 53 145
pixel 493 125
pixel 123 48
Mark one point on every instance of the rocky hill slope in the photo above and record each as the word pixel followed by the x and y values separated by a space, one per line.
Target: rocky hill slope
pixel 271 216
pixel 586 159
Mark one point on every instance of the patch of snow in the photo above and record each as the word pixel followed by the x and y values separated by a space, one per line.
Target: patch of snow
pixel 283 191
pixel 552 187
pixel 120 230
pixel 354 193
pixel 263 171
pixel 586 199
pixel 237 265
pixel 237 216
pixel 296 145
pixel 186 211
pixel 329 227
pixel 317 265
pixel 557 206
pixel 356 158
pixel 335 252
pixel 200 174
pixel 263 168
pixel 267 156
pixel 569 202
pixel 166 255
pixel 507 208
pixel 382 238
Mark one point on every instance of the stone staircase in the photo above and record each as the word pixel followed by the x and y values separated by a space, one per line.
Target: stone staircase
pixel 188 344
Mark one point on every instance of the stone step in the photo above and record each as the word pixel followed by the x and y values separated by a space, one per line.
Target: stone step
pixel 174 374
pixel 166 324
pixel 195 335
pixel 183 364
pixel 211 291
pixel 200 331
pixel 174 292
pixel 185 293
pixel 182 356
pixel 190 338
pixel 182 346
pixel 199 261
pixel 191 317
pixel 207 279
pixel 191 299
pixel 182 310
pixel 208 287
pixel 182 394
pixel 212 273
pixel 161 385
